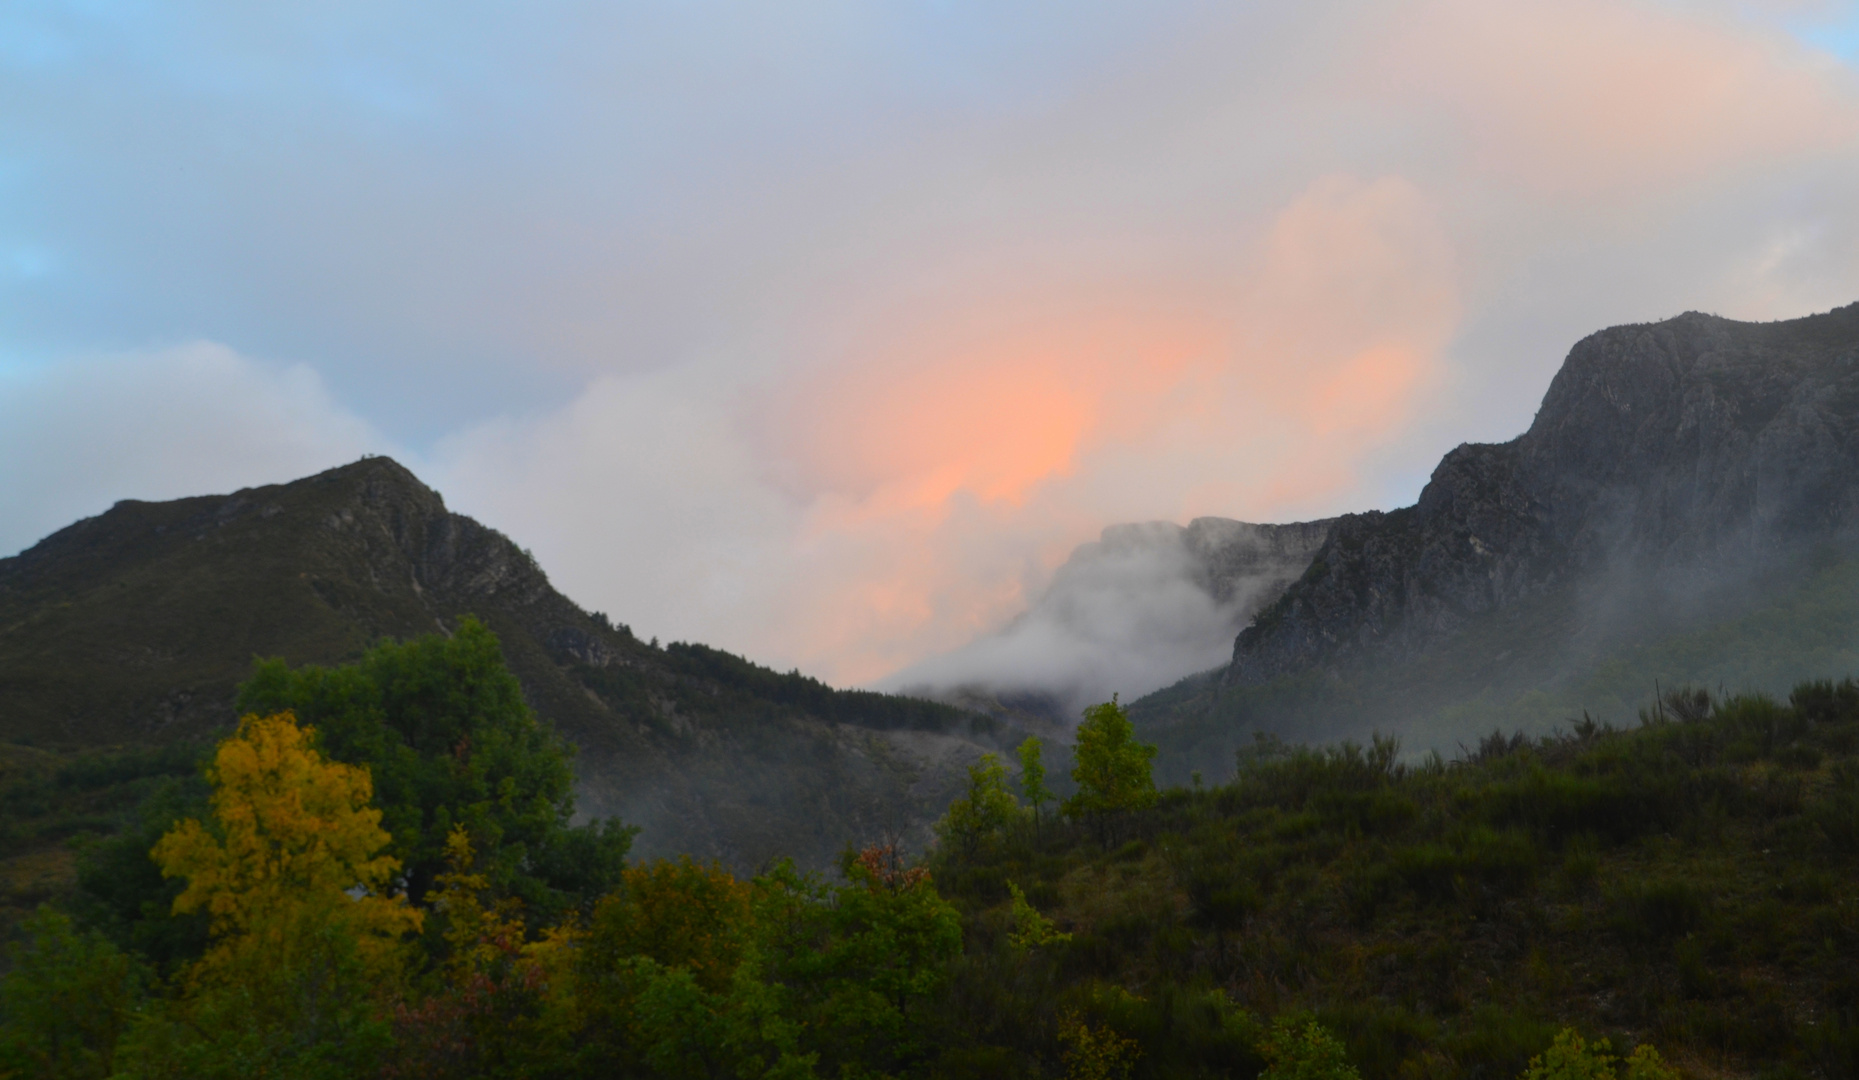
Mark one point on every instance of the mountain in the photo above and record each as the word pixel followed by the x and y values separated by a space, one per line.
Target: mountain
pixel 1684 505
pixel 1135 610
pixel 135 626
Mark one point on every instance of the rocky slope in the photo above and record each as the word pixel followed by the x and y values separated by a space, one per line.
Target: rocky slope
pixel 1667 460
pixel 136 625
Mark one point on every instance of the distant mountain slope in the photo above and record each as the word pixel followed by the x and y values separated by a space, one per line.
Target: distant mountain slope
pixel 1680 480
pixel 1684 451
pixel 1137 609
pixel 134 627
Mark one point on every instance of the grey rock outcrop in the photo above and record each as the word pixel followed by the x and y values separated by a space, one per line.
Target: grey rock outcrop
pixel 1666 456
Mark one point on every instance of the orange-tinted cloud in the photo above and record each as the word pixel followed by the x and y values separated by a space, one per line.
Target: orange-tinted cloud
pixel 918 462
pixel 1583 97
pixel 990 417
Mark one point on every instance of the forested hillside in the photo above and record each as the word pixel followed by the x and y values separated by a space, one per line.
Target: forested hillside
pixel 1683 508
pixel 1686 889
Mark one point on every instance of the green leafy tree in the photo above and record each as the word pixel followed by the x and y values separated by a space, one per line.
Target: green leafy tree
pixel 1030 928
pixel 1096 1052
pixel 1033 776
pixel 1112 769
pixel 1571 1057
pixel 66 1001
pixel 122 892
pixel 442 725
pixel 893 939
pixel 1305 1050
pixel 682 1031
pixel 986 808
pixel 681 913
pixel 863 963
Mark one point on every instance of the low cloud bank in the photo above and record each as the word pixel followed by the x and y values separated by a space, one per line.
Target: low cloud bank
pixel 1132 612
pixel 197 419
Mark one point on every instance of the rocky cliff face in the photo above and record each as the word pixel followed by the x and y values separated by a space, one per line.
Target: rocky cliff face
pixel 1665 457
pixel 136 626
pixel 1249 565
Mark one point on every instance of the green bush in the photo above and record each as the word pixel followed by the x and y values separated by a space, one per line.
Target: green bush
pixel 1300 1049
pixel 66 1002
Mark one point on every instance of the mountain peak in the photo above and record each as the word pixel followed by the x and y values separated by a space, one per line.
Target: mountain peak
pixel 1698 447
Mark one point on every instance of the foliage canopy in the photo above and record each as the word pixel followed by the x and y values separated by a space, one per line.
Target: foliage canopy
pixel 1112 768
pixel 442 726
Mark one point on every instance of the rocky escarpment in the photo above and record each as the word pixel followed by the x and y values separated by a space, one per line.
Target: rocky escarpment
pixel 1238 565
pixel 1664 457
pixel 137 625
pixel 1238 562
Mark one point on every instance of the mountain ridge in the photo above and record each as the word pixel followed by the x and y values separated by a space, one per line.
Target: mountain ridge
pixel 1694 448
pixel 135 625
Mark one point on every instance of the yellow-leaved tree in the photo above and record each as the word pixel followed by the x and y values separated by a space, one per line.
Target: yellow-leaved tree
pixel 296 832
pixel 306 938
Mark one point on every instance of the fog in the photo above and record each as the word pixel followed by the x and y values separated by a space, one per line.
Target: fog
pixel 1136 610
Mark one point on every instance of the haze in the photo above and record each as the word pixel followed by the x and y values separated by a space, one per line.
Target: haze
pixel 824 333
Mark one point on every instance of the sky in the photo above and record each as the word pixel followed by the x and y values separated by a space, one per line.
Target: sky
pixel 823 333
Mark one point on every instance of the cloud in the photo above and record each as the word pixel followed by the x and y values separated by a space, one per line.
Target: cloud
pixel 195 419
pixel 894 504
pixel 826 335
pixel 1589 98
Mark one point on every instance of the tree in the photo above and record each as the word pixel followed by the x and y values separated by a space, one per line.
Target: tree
pixel 1033 776
pixel 485 1018
pixel 892 938
pixel 1571 1057
pixel 306 940
pixel 65 1002
pixel 122 891
pixel 293 829
pixel 1031 930
pixel 1305 1051
pixel 1095 1052
pixel 669 981
pixel 442 725
pixel 1112 769
pixel 984 810
pixel 682 914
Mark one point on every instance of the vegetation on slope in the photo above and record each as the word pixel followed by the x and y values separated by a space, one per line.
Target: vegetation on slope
pixel 1516 670
pixel 1687 884
pixel 135 628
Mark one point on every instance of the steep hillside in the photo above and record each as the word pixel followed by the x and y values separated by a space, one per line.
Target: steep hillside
pixel 134 627
pixel 1684 506
pixel 1687 883
pixel 1677 455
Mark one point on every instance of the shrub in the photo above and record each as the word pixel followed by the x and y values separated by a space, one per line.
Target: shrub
pixel 66 1001
pixel 1303 1050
